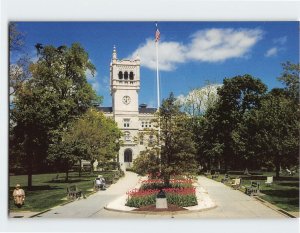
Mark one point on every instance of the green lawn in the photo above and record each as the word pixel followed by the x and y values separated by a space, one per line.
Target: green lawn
pixel 284 192
pixel 46 193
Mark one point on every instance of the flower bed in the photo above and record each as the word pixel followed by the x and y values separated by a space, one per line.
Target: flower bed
pixel 158 183
pixel 181 193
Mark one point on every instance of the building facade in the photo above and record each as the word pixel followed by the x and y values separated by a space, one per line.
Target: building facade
pixel 134 119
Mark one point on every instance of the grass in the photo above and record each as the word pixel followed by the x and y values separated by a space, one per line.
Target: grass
pixel 284 192
pixel 47 193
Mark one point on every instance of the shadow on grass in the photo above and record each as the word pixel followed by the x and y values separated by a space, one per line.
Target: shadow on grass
pixel 290 184
pixel 39 188
pixel 287 193
pixel 63 181
pixel 285 178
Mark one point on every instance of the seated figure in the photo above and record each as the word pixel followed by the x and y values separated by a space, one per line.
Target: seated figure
pixel 19 196
pixel 100 183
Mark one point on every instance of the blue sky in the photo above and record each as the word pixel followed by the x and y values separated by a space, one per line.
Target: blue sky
pixel 190 53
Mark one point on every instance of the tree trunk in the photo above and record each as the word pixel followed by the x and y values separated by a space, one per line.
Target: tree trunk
pixel 29 180
pixel 79 172
pixel 67 175
pixel 167 180
pixel 29 161
pixel 92 167
pixel 225 165
pixel 277 165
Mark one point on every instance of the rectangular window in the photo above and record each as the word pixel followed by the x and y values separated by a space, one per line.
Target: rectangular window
pixel 126 123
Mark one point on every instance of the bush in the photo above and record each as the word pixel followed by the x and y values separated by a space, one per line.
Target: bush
pixel 182 200
pixel 138 202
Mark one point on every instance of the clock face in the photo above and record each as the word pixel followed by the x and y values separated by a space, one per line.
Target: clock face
pixel 126 99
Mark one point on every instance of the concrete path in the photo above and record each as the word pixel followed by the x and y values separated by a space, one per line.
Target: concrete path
pixel 230 204
pixel 95 203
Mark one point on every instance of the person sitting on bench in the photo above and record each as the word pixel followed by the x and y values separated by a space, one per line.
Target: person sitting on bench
pixel 19 196
pixel 100 183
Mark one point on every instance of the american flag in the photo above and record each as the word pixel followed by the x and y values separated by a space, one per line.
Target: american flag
pixel 157 34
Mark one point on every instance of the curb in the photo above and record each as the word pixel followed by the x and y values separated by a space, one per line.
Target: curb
pixel 161 212
pixel 275 208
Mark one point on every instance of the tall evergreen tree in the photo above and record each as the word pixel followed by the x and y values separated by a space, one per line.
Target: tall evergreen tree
pixel 177 147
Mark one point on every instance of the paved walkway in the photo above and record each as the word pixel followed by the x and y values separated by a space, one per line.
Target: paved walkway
pixel 230 204
pixel 95 203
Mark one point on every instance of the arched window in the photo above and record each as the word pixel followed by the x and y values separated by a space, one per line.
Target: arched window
pixel 126 75
pixel 131 75
pixel 128 155
pixel 151 139
pixel 120 75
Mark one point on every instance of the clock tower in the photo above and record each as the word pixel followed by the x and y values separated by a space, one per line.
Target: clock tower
pixel 124 84
pixel 124 89
pixel 132 119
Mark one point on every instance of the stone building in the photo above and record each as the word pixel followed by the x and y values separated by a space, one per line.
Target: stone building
pixel 133 119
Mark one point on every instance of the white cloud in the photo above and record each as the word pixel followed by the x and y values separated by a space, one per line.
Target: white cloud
pixel 271 52
pixel 170 53
pixel 90 76
pixel 210 45
pixel 279 46
pixel 96 86
pixel 215 45
pixel 280 40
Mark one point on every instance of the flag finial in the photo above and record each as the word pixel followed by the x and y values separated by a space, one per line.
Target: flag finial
pixel 114 55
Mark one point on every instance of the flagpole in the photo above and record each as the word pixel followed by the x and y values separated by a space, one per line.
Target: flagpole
pixel 157 37
pixel 157 75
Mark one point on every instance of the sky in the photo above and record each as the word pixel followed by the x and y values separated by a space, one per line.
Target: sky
pixel 191 54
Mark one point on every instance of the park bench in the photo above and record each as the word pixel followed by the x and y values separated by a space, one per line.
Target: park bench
pixel 225 179
pixel 73 192
pixel 253 189
pixel 215 175
pixel 207 173
pixel 269 180
pixel 236 183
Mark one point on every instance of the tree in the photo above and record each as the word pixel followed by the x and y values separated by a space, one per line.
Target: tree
pixel 147 162
pixel 16 37
pixel 195 104
pixel 277 137
pixel 237 96
pixel 177 146
pixel 91 137
pixel 199 100
pixel 290 77
pixel 19 71
pixel 18 74
pixel 57 93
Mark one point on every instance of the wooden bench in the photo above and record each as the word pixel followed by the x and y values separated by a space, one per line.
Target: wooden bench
pixel 208 173
pixel 253 189
pixel 225 179
pixel 269 180
pixel 73 192
pixel 215 175
pixel 236 183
